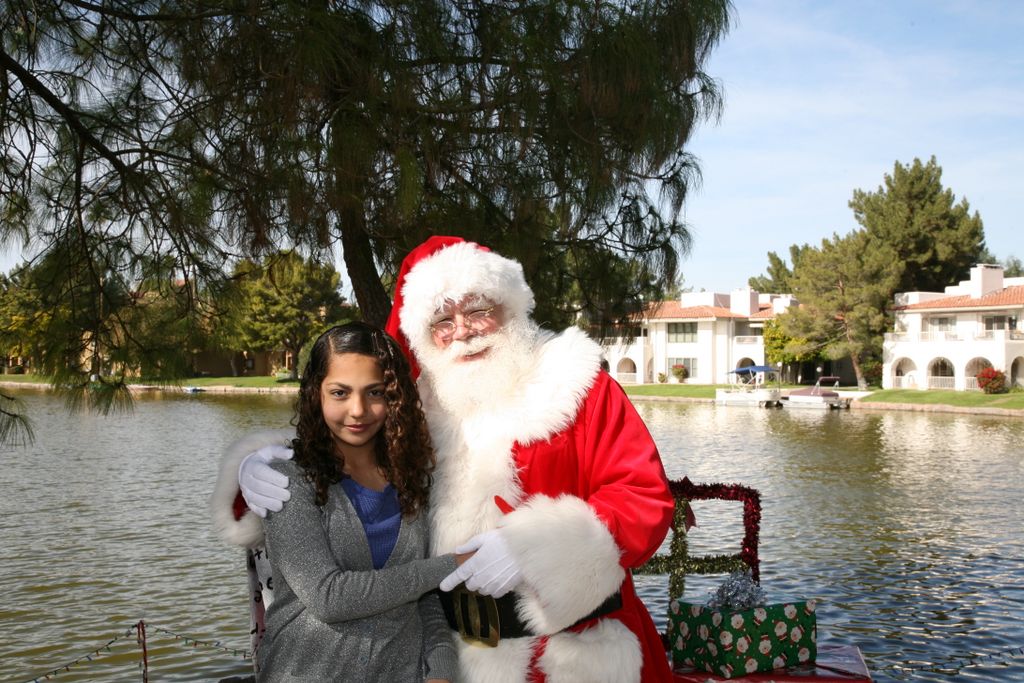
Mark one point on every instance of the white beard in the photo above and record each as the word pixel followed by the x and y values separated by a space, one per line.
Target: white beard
pixel 464 387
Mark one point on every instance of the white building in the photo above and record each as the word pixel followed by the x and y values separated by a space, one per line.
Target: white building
pixel 709 333
pixel 942 340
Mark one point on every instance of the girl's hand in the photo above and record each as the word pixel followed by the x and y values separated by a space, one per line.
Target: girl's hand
pixel 437 680
pixel 460 558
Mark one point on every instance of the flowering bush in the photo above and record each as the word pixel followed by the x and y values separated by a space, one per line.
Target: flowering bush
pixel 680 372
pixel 991 381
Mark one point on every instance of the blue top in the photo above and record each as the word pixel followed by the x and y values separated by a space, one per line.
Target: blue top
pixel 380 514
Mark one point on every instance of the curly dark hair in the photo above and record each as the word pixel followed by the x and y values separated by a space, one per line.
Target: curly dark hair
pixel 402 448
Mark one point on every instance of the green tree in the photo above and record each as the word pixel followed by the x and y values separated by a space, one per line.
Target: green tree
pixel 844 289
pixel 290 301
pixel 936 239
pixel 784 350
pixel 224 311
pixel 208 131
pixel 547 130
pixel 23 318
pixel 538 128
pixel 114 318
pixel 779 274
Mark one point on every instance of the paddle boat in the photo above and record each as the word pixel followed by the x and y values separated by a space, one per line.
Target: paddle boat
pixel 819 396
pixel 752 388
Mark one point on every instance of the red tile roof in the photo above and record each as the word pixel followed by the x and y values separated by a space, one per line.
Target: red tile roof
pixel 1008 296
pixel 673 309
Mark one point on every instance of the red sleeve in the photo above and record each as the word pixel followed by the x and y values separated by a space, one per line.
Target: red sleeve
pixel 623 479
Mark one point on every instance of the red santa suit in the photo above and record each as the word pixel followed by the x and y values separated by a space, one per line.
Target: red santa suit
pixel 565 449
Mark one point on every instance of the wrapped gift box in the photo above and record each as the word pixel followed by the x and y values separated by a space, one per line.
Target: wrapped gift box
pixel 731 644
pixel 834 664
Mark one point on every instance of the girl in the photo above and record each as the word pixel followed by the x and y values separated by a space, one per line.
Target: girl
pixel 349 550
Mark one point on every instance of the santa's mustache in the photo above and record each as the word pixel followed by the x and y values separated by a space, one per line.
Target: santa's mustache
pixel 467 347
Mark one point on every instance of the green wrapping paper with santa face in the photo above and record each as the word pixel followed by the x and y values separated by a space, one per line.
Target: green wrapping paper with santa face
pixel 732 644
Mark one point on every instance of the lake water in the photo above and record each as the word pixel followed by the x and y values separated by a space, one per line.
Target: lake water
pixel 905 526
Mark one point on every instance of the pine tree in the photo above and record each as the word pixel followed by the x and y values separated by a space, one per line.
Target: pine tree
pixel 288 304
pixel 935 238
pixel 779 274
pixel 844 289
pixel 210 131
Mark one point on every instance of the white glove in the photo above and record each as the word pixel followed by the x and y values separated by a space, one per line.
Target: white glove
pixel 491 571
pixel 262 487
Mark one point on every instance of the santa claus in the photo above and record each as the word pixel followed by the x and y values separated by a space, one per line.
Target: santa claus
pixel 542 464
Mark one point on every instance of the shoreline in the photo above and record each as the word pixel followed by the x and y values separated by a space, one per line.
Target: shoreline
pixel 855 404
pixel 184 389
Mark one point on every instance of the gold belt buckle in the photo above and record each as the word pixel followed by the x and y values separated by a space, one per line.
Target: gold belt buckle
pixel 472 632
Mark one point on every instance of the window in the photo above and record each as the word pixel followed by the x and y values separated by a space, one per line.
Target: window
pixel 689 363
pixel 745 329
pixel 1000 322
pixel 682 332
pixel 944 324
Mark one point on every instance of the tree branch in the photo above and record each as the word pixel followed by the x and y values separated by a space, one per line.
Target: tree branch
pixel 70 116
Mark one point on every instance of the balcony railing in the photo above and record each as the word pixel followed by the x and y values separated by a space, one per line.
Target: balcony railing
pixel 626 377
pixel 922 336
pixel 979 335
pixel 904 382
pixel 971 383
pixel 937 382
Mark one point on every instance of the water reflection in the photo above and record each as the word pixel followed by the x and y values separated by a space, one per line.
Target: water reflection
pixel 904 525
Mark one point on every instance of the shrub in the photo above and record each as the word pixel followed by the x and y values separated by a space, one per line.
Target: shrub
pixel 991 381
pixel 680 372
pixel 872 371
pixel 662 377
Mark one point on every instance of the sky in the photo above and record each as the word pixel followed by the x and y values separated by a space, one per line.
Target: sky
pixel 824 97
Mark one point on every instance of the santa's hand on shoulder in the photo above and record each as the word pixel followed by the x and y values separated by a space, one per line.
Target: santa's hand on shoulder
pixel 262 487
pixel 492 570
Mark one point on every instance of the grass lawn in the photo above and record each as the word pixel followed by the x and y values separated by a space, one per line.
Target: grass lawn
pixel 968 399
pixel 261 382
pixel 23 379
pixel 239 382
pixel 683 390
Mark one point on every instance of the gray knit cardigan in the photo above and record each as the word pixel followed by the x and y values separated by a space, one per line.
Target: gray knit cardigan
pixel 335 618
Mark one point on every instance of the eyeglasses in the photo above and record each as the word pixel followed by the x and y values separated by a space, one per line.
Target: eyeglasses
pixel 474 320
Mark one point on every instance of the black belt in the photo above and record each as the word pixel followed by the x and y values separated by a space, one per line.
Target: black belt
pixel 483 619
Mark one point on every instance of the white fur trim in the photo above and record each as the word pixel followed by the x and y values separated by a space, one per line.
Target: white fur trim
pixel 552 394
pixel 247 531
pixel 506 663
pixel 452 273
pixel 568 557
pixel 606 653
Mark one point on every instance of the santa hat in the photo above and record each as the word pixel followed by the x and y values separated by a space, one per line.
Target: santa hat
pixel 445 269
